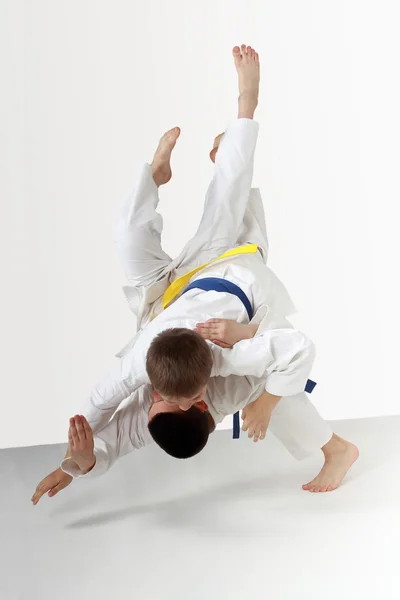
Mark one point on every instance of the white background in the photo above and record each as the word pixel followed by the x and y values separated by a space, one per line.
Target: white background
pixel 87 89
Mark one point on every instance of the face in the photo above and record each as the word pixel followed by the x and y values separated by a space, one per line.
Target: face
pixel 215 147
pixel 171 404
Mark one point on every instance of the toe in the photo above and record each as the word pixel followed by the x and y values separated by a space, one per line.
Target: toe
pixel 309 485
pixel 237 55
pixel 172 134
pixel 244 50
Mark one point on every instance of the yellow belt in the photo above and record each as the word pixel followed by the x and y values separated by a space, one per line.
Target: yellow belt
pixel 179 284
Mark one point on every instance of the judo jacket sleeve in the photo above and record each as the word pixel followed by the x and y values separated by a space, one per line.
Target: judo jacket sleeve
pixel 127 431
pixel 283 356
pixel 118 383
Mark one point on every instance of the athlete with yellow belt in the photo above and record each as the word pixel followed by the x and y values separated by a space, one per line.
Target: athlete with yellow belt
pixel 221 273
pixel 212 331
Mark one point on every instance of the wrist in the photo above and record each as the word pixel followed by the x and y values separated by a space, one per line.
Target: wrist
pixel 88 467
pixel 84 464
pixel 251 330
pixel 269 400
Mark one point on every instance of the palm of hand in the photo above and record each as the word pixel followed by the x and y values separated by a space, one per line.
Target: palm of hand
pixel 81 443
pixel 256 417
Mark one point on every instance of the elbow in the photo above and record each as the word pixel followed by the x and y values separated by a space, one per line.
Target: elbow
pixel 308 352
pixel 310 349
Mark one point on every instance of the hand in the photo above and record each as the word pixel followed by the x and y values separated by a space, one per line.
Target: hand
pixel 225 332
pixel 256 415
pixel 52 484
pixel 81 444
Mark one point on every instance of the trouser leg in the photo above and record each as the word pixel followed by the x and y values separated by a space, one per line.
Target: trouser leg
pixel 296 423
pixel 138 234
pixel 227 197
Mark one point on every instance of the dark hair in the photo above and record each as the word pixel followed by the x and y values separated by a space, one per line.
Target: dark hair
pixel 179 362
pixel 180 434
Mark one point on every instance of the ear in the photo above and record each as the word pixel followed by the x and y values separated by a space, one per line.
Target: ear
pixel 156 396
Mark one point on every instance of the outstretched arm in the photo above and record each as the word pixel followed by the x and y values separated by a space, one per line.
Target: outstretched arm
pixel 121 380
pixel 283 355
pixel 225 333
pixel 92 456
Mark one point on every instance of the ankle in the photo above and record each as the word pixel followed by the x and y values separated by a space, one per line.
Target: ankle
pixel 158 174
pixel 248 102
pixel 249 96
pixel 336 445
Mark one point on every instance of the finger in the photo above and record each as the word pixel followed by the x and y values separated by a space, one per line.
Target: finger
pixel 221 344
pixel 74 433
pixel 208 331
pixel 261 434
pixel 41 489
pixel 87 428
pixel 80 429
pixel 208 322
pixel 256 434
pixel 203 333
pixel 224 344
pixel 57 488
pixel 245 426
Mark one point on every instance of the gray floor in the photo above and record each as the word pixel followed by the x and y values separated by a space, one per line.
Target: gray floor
pixel 232 522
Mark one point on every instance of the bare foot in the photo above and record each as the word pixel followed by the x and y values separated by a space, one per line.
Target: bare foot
pixel 161 165
pixel 339 457
pixel 247 64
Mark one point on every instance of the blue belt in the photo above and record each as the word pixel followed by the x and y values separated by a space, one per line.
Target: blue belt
pixel 215 284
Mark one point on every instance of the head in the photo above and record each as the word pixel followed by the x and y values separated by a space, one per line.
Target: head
pixel 179 364
pixel 181 434
pixel 215 147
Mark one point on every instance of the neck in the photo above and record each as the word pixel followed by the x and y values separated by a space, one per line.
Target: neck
pixel 211 423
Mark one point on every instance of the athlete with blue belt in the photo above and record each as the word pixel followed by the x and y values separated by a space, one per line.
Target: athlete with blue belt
pixel 189 309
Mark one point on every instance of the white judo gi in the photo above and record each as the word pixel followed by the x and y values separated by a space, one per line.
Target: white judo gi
pixel 278 356
pixel 294 422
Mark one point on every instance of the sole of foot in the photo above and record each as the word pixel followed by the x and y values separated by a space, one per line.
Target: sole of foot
pixel 247 64
pixel 161 165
